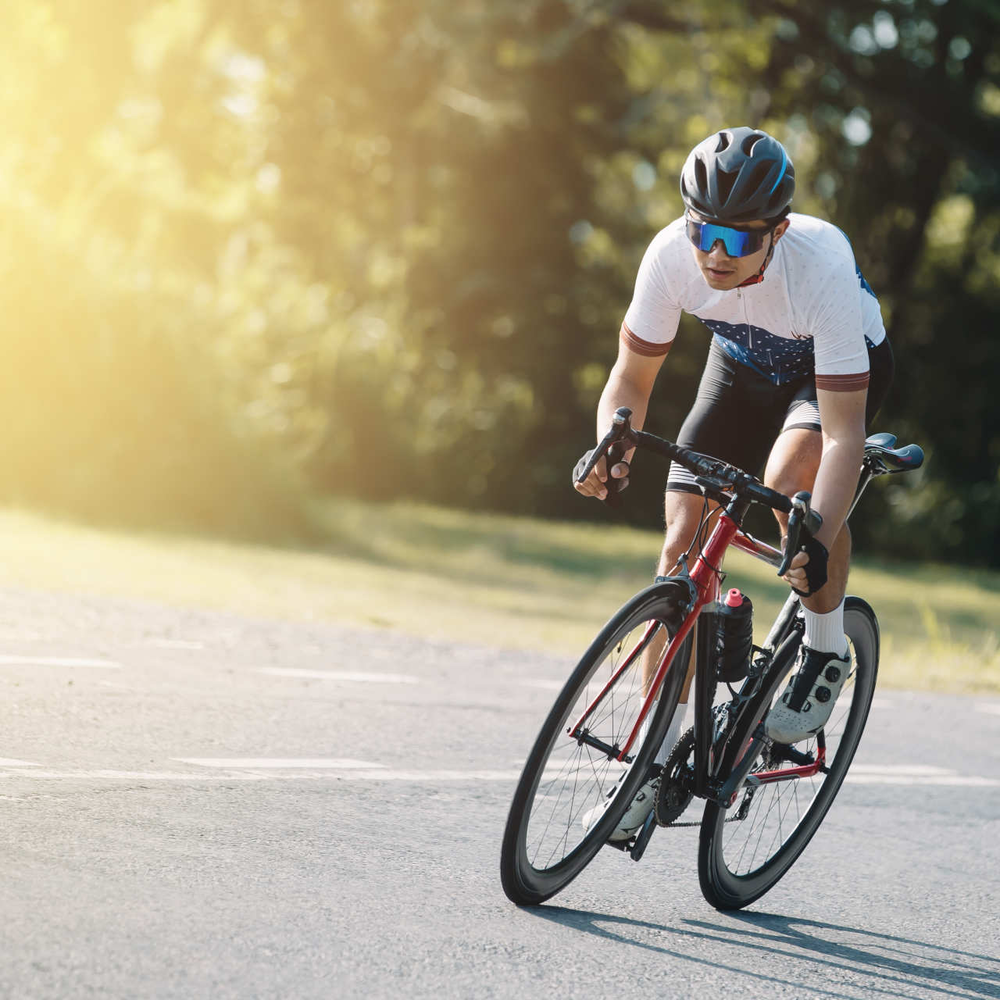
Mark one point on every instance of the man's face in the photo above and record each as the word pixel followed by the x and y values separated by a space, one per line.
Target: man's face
pixel 723 272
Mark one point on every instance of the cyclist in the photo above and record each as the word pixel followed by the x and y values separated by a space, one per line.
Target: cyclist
pixel 798 365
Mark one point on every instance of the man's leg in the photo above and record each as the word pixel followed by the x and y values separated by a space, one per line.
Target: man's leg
pixel 709 427
pixel 820 672
pixel 683 514
pixel 791 467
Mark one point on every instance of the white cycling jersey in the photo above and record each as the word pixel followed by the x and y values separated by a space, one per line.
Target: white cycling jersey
pixel 813 313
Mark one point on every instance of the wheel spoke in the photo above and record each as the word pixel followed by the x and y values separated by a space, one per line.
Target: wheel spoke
pixel 550 833
pixel 742 858
pixel 556 825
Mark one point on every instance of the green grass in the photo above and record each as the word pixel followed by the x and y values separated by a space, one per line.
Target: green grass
pixel 492 579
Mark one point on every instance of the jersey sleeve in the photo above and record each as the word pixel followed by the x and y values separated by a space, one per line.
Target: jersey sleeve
pixel 837 326
pixel 651 319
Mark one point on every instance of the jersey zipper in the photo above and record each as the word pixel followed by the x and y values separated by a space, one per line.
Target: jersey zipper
pixel 746 317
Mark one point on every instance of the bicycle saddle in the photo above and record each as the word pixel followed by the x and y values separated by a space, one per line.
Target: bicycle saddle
pixel 879 449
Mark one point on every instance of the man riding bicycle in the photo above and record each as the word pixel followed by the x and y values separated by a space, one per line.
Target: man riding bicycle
pixel 798 365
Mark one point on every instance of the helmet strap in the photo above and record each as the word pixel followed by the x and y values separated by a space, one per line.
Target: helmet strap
pixel 759 276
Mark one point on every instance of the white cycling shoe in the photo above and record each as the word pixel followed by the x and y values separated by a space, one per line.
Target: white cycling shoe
pixel 807 702
pixel 636 814
pixel 642 805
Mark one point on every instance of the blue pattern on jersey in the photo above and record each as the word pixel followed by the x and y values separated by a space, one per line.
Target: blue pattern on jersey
pixel 857 270
pixel 779 359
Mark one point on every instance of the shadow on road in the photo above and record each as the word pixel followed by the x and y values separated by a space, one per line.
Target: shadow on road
pixel 887 964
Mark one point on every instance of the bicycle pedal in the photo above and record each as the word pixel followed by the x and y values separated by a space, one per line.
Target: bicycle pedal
pixel 642 838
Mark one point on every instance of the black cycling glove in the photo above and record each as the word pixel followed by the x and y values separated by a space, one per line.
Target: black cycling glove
pixel 613 485
pixel 581 465
pixel 816 567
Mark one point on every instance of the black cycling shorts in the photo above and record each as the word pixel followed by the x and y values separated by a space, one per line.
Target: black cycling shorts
pixel 738 413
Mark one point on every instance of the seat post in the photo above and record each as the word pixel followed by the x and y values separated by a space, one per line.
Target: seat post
pixel 866 477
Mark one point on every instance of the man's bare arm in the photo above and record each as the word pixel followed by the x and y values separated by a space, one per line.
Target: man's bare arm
pixel 630 384
pixel 842 415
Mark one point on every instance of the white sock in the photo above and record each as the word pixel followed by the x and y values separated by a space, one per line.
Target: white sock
pixel 825 633
pixel 674 731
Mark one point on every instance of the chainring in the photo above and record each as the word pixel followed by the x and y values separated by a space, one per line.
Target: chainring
pixel 673 794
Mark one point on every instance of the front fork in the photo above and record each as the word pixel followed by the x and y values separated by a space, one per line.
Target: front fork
pixel 704 695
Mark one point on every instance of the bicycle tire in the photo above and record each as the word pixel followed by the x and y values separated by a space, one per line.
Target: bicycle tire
pixel 740 859
pixel 547 840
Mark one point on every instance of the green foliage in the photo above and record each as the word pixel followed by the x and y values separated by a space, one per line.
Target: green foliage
pixel 387 244
pixel 897 104
pixel 109 415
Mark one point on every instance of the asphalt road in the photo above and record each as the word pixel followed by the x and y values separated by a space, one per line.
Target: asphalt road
pixel 200 805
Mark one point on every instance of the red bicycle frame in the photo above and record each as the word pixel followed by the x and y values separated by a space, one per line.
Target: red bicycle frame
pixel 705 576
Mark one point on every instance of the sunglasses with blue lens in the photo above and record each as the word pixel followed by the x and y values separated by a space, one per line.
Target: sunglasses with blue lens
pixel 738 242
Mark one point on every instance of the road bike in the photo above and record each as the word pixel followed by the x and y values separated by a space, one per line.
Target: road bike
pixel 763 800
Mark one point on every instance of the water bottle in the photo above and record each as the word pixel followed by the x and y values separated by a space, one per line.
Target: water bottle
pixel 735 636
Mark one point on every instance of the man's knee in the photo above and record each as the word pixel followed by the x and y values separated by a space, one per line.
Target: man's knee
pixel 682 514
pixel 682 511
pixel 794 461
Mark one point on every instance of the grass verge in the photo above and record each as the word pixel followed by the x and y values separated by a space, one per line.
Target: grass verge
pixel 488 579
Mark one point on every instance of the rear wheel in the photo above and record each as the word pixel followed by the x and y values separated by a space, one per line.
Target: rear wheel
pixel 573 789
pixel 746 848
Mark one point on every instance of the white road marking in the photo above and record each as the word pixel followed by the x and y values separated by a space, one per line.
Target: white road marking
pixel 176 643
pixel 10 762
pixel 991 708
pixel 414 776
pixel 58 661
pixel 107 774
pixel 430 776
pixel 915 770
pixel 433 776
pixel 914 774
pixel 545 685
pixel 323 763
pixel 358 676
pixel 951 780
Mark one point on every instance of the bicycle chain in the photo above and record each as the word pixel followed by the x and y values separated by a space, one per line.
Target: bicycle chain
pixel 675 789
pixel 673 794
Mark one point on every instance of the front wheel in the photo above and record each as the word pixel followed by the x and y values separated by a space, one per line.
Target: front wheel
pixel 746 848
pixel 574 789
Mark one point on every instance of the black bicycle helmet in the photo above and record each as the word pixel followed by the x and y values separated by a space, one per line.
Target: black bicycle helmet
pixel 738 175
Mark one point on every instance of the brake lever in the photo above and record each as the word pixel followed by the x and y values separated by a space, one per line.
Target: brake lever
pixel 615 454
pixel 614 444
pixel 797 516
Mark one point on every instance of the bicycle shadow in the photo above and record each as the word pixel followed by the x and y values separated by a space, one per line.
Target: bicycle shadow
pixel 892 965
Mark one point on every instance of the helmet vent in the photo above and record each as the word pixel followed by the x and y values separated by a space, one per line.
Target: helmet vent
pixel 700 175
pixel 726 181
pixel 737 175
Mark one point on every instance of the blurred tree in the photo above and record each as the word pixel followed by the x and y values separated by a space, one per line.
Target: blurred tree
pixel 901 102
pixel 109 408
pixel 391 241
pixel 440 191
